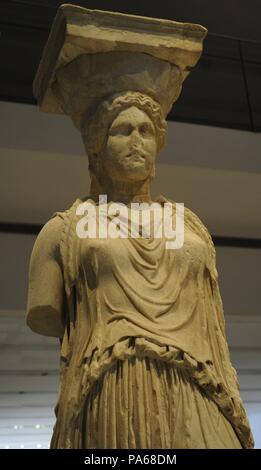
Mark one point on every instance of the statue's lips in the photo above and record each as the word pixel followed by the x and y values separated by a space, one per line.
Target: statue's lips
pixel 135 156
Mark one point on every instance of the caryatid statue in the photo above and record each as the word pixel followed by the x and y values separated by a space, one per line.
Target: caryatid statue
pixel 144 357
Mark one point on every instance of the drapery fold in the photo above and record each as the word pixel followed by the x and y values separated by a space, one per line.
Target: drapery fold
pixel 82 367
pixel 143 402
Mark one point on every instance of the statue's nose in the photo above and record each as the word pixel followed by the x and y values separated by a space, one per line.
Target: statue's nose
pixel 135 136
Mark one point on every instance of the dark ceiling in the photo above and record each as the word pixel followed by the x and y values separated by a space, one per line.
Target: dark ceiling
pixel 224 89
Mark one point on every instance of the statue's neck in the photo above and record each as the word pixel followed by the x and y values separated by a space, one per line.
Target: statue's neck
pixel 121 191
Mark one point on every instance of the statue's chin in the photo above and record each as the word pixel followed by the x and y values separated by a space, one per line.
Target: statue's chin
pixel 134 171
pixel 133 176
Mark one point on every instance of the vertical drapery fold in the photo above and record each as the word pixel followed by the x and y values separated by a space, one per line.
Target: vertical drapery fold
pixel 146 403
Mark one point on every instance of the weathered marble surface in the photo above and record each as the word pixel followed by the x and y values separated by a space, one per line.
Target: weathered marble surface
pixel 144 357
pixel 76 31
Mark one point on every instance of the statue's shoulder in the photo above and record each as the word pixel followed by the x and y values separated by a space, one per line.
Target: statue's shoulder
pixel 189 215
pixel 67 240
pixel 47 242
pixel 54 233
pixel 70 211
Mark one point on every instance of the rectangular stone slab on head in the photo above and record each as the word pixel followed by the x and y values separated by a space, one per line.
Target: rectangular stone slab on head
pixel 77 30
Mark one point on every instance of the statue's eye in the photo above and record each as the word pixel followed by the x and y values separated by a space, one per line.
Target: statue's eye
pixel 146 130
pixel 122 129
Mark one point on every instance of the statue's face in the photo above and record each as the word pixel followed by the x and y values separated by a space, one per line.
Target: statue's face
pixel 131 146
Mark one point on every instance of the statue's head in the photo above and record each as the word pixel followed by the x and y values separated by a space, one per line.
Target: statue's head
pixel 123 138
pixel 117 76
pixel 119 101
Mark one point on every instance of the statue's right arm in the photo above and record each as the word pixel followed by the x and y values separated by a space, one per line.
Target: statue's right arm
pixel 45 303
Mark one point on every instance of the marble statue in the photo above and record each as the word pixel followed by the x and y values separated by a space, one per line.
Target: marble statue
pixel 144 358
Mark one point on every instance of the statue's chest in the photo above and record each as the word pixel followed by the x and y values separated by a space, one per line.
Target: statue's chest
pixel 104 257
